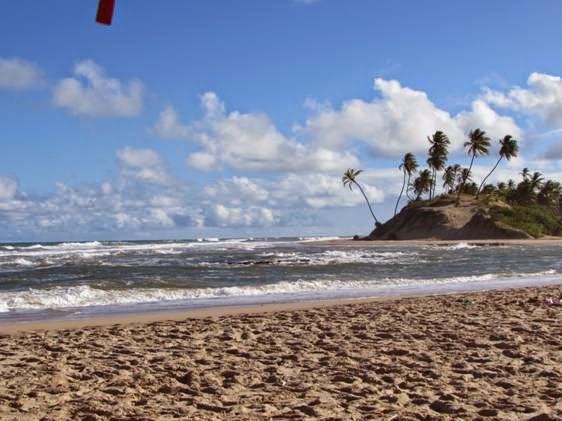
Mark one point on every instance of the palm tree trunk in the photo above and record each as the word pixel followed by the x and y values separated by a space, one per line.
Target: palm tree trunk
pixel 400 195
pixel 489 174
pixel 431 185
pixel 367 200
pixel 461 188
pixel 434 182
pixel 408 187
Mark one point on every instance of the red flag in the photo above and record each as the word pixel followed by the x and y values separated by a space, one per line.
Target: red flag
pixel 105 11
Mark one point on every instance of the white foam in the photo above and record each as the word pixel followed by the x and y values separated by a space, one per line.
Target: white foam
pixel 457 246
pixel 86 296
pixel 313 239
pixel 335 257
pixel 23 262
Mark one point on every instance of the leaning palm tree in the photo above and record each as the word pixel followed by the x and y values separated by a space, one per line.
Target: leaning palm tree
pixel 478 144
pixel 508 150
pixel 408 166
pixel 349 179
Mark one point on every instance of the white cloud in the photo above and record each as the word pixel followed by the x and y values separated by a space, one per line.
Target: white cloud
pixel 224 216
pixel 168 125
pixel 16 73
pixel 90 93
pixel 8 188
pixel 236 191
pixel 484 117
pixel 319 191
pixel 542 98
pixel 290 191
pixel 247 142
pixel 400 121
pixel 143 164
pixel 161 217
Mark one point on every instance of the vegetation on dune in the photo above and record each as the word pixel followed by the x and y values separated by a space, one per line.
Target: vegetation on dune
pixel 536 220
pixel 533 204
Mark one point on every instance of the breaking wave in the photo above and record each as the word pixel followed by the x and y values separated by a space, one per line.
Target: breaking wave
pixel 86 296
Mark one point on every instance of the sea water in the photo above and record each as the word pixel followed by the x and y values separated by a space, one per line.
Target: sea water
pixel 77 280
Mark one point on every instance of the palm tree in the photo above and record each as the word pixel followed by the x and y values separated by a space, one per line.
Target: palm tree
pixel 536 181
pixel 478 144
pixel 450 176
pixel 464 175
pixel 349 179
pixel 525 173
pixel 550 193
pixel 508 150
pixel 437 156
pixel 422 184
pixel 408 166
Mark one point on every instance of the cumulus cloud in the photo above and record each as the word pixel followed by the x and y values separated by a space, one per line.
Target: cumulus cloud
pixel 247 142
pixel 542 98
pixel 143 164
pixel 237 190
pixel 319 191
pixel 223 216
pixel 90 93
pixel 484 117
pixel 16 73
pixel 8 188
pixel 168 125
pixel 290 191
pixel 400 120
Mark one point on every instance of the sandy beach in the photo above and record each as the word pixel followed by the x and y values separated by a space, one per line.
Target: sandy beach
pixel 436 357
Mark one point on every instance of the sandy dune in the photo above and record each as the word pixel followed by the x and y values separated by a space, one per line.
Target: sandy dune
pixel 409 358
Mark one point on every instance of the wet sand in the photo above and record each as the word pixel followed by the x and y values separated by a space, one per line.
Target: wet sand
pixel 435 357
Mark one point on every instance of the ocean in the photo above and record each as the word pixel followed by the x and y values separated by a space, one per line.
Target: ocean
pixel 79 280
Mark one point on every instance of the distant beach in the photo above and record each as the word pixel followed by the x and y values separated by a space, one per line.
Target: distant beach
pixel 545 241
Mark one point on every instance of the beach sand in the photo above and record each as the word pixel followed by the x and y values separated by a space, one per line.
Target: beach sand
pixel 408 358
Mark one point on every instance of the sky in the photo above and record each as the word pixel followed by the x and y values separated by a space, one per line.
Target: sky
pixel 238 118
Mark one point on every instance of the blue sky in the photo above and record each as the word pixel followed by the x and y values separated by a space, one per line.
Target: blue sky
pixel 234 118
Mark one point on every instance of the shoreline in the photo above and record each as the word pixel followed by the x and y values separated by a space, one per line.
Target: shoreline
pixel 154 316
pixel 545 241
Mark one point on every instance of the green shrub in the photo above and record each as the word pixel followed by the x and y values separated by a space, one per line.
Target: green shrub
pixel 536 220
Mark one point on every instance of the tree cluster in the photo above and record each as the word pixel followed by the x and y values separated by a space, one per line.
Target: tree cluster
pixel 533 189
pixel 457 180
